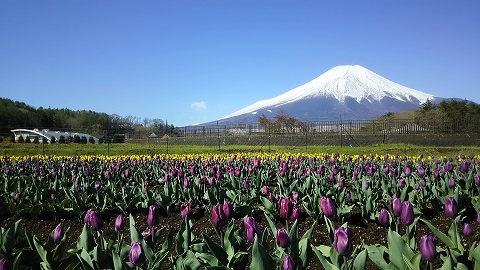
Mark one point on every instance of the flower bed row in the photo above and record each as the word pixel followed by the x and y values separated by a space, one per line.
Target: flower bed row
pixel 395 191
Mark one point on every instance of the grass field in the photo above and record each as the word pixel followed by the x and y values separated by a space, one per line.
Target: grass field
pixel 10 149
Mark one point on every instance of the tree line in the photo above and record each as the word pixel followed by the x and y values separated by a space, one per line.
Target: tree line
pixel 15 114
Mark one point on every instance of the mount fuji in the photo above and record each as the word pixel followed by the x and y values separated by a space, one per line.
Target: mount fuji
pixel 348 92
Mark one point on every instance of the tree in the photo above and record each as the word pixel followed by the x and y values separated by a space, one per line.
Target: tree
pixel 91 140
pixel 61 140
pixel 36 140
pixel 52 140
pixel 20 139
pixel 27 139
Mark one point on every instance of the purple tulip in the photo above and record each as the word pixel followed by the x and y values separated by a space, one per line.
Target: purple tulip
pixel 57 234
pixel 251 229
pixel 407 213
pixel 328 208
pixel 153 217
pixel 265 190
pixel 296 213
pixel 93 219
pixel 427 247
pixel 383 218
pixel 295 196
pixel 4 264
pixel 246 184
pixel 136 254
pixel 228 209
pixel 218 217
pixel 478 217
pixel 467 229
pixel 97 185
pixel 477 180
pixel 341 182
pixel 407 170
pixel 283 239
pixel 285 207
pixel 420 171
pixel 451 207
pixel 365 185
pixel 451 182
pixel 342 240
pixel 185 182
pixel 288 263
pixel 119 224
pixel 16 197
pixel 396 206
pixel 464 166
pixel 401 183
pixel 185 209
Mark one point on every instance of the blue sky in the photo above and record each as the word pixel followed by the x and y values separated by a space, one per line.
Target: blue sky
pixel 196 61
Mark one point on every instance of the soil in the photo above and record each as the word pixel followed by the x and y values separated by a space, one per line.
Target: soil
pixel 363 232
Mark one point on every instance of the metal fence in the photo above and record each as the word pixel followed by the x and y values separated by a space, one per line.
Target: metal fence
pixel 341 133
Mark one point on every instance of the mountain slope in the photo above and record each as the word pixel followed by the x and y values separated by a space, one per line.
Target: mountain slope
pixel 351 92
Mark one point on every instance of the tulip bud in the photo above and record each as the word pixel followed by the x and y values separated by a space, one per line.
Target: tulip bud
pixel 467 229
pixel 251 229
pixel 283 239
pixel 451 207
pixel 407 170
pixel 119 224
pixel 296 213
pixel 57 234
pixel 136 254
pixel 396 206
pixel 421 171
pixel 93 219
pixel 265 190
pixel 228 209
pixel 451 182
pixel 153 216
pixel 288 263
pixel 295 196
pixel 342 240
pixel 427 247
pixel 185 209
pixel 407 213
pixel 478 217
pixel 286 207
pixel 328 208
pixel 341 182
pixel 97 185
pixel 246 184
pixel 211 181
pixel 4 264
pixel 218 216
pixel 383 218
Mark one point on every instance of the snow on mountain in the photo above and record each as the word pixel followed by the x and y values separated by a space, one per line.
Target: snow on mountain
pixel 343 84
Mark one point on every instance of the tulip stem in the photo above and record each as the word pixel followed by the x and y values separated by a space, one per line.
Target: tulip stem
pixel 345 266
pixel 153 236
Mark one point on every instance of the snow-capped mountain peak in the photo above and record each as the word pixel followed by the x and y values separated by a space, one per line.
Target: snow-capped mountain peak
pixel 342 83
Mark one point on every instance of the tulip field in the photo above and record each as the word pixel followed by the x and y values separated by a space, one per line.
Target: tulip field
pixel 240 211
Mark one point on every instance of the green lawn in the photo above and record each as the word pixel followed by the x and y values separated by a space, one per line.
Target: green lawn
pixel 9 149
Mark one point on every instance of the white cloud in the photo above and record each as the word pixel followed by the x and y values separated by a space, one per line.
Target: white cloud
pixel 199 105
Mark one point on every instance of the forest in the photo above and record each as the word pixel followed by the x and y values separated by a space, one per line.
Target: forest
pixel 15 114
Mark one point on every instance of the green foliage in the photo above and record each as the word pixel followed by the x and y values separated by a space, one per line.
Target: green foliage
pixel 61 140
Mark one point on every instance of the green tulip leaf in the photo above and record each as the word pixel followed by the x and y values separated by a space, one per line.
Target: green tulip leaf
pixel 325 263
pixel 444 238
pixel 360 260
pixel 216 250
pixel 261 260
